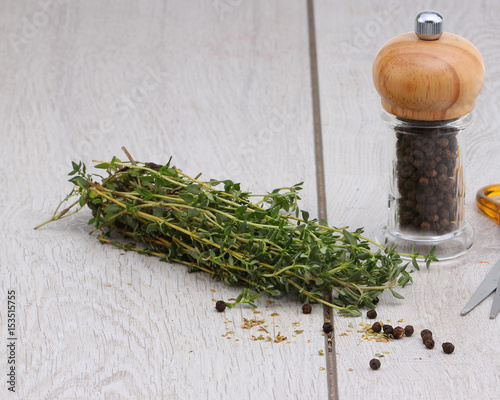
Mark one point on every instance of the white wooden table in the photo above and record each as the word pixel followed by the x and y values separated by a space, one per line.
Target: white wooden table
pixel 224 87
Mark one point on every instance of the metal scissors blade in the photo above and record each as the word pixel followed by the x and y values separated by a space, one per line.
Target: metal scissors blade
pixel 496 300
pixel 487 286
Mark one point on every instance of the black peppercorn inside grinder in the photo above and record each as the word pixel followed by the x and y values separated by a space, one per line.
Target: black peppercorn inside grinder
pixel 428 81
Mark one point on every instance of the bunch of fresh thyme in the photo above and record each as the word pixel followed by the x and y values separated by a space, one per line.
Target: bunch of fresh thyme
pixel 267 246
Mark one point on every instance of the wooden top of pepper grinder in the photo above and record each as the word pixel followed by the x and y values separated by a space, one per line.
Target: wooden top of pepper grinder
pixel 427 74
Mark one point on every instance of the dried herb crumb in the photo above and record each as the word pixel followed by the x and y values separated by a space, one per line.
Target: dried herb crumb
pixel 250 323
pixel 374 364
pixel 220 305
pixel 448 347
pixel 280 338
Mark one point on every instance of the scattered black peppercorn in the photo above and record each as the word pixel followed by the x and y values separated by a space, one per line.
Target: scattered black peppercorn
pixel 376 327
pixel 429 343
pixel 448 347
pixel 398 332
pixel 220 305
pixel 375 300
pixel 372 314
pixel 427 337
pixel 425 332
pixel 306 309
pixel 409 330
pixel 388 329
pixel 374 364
pixel 327 327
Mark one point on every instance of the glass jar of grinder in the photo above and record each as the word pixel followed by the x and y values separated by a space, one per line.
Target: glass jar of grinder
pixel 428 82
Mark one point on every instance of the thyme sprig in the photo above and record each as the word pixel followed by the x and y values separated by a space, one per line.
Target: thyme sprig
pixel 213 226
pixel 245 297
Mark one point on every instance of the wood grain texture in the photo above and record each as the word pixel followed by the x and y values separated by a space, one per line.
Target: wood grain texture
pixel 428 79
pixel 356 152
pixel 223 89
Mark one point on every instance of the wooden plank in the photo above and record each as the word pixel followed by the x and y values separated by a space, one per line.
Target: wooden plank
pixel 223 87
pixel 356 146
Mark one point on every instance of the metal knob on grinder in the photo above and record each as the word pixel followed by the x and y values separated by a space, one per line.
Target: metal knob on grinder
pixel 429 25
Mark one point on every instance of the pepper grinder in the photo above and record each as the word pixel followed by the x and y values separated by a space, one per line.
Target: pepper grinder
pixel 428 82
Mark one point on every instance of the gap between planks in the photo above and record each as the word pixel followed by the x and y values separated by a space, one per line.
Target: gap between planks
pixel 321 191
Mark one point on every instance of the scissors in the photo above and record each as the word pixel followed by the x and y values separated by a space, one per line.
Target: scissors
pixel 489 285
pixel 488 201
